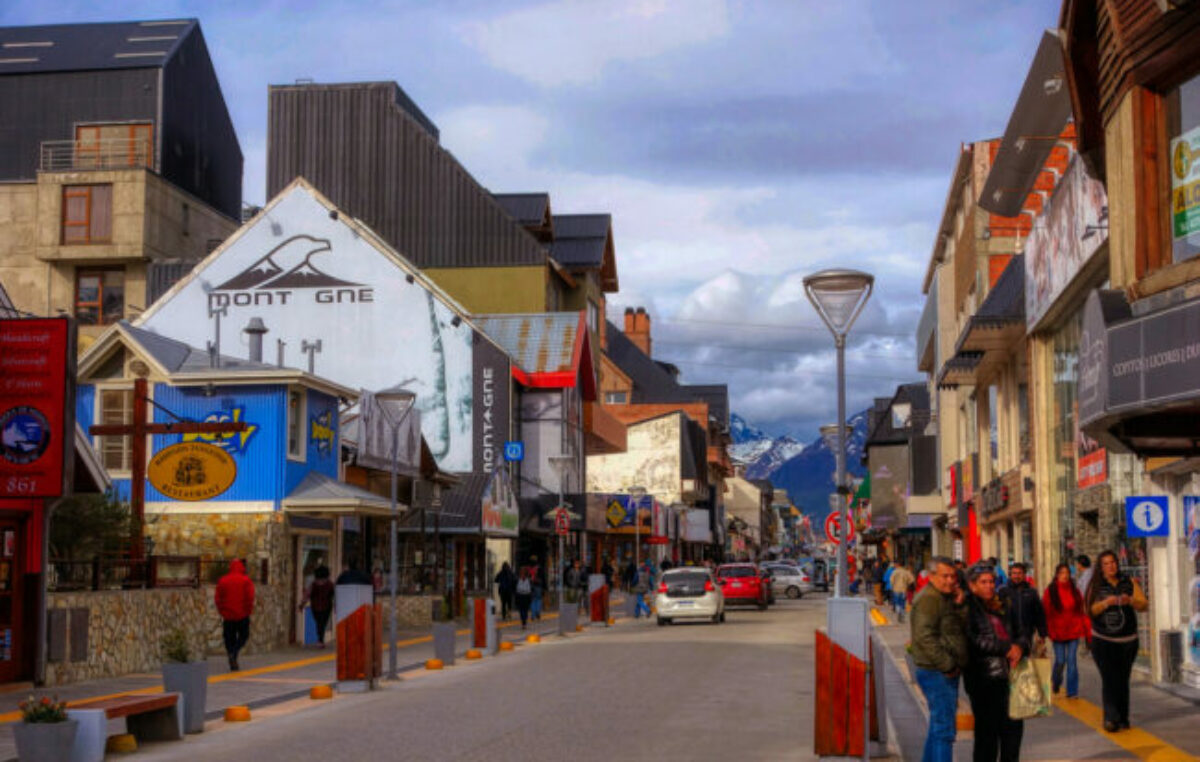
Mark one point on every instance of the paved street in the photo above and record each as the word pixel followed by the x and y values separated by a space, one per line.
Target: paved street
pixel 741 690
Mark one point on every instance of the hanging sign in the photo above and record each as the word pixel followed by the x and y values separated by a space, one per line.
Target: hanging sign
pixel 192 471
pixel 1146 516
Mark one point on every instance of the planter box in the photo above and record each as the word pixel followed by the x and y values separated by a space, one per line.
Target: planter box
pixel 190 680
pixel 45 741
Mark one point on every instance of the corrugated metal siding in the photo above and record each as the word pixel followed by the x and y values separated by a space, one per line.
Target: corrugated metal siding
pixel 320 455
pixel 47 106
pixel 85 405
pixel 359 147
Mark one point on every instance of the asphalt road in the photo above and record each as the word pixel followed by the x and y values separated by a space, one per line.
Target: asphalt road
pixel 741 690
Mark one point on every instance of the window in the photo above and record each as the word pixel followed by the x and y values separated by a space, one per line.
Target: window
pixel 1183 130
pixel 593 316
pixel 86 214
pixel 114 145
pixel 115 407
pixel 99 296
pixel 616 398
pixel 295 424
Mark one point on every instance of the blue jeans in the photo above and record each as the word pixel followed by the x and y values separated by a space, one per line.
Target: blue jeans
pixel 535 608
pixel 1064 656
pixel 941 693
pixel 641 606
pixel 900 601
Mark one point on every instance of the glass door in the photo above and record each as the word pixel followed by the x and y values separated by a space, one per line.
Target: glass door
pixel 10 602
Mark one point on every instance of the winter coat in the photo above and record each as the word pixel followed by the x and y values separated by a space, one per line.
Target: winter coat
pixel 939 640
pixel 989 647
pixel 902 579
pixel 506 581
pixel 1025 607
pixel 235 593
pixel 320 595
pixel 1072 623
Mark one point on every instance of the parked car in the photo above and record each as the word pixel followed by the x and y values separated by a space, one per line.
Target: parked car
pixel 789 580
pixel 743 583
pixel 689 593
pixel 819 570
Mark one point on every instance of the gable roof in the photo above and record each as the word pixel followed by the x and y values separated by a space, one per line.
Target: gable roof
pixel 651 383
pixel 529 209
pixel 549 349
pixel 585 241
pixel 883 432
pixel 717 397
pixel 89 47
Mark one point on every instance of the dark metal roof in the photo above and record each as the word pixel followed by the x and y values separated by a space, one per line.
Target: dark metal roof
pixel 525 208
pixel 1005 303
pixel 580 240
pixel 1040 115
pixel 177 357
pixel 539 343
pixel 651 383
pixel 959 367
pixel 87 47
pixel 717 397
pixel 916 395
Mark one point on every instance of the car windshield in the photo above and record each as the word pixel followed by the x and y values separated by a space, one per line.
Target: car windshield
pixel 739 571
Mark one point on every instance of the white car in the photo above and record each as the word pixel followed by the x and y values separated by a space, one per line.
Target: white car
pixel 689 593
pixel 789 580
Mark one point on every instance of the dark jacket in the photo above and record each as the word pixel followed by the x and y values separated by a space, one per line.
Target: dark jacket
pixel 987 647
pixel 506 581
pixel 234 595
pixel 1025 605
pixel 939 639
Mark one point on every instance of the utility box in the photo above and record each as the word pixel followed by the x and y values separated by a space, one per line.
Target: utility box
pixel 483 630
pixel 359 638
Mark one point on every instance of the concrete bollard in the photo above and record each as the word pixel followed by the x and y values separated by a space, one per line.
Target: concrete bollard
pixel 444 637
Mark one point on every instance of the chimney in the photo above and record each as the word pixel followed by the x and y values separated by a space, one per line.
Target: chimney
pixel 637 328
pixel 256 329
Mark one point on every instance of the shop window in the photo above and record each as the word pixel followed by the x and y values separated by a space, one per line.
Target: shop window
pixel 99 296
pixel 295 424
pixel 87 214
pixel 115 407
pixel 1183 131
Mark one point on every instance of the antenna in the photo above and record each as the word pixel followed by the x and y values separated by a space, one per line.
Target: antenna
pixel 214 347
pixel 311 348
pixel 279 345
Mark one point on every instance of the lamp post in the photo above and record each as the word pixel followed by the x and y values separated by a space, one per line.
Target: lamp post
pixel 394 397
pixel 838 297
pixel 636 493
pixel 562 464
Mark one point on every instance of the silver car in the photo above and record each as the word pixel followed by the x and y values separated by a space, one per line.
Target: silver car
pixel 689 593
pixel 789 580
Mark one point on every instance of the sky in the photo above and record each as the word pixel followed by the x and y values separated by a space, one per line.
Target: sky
pixel 739 146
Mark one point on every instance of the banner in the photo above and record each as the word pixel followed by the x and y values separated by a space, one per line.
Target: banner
pixel 37 422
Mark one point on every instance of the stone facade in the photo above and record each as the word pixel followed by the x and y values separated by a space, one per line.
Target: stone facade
pixel 1097 521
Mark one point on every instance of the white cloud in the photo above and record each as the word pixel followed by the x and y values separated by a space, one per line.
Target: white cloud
pixel 572 42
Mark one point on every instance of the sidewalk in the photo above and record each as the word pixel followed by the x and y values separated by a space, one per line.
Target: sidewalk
pixel 1165 726
pixel 266 679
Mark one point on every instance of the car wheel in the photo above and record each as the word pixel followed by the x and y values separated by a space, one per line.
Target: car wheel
pixel 762 607
pixel 722 616
pixel 793 592
pixel 662 622
pixel 716 618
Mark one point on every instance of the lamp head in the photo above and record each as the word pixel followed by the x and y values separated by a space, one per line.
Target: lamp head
pixel 839 296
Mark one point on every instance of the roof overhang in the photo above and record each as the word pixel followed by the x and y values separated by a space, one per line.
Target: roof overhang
pixel 604 433
pixel 959 370
pixel 582 373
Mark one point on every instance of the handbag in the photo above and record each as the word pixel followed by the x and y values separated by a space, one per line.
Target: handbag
pixel 1028 696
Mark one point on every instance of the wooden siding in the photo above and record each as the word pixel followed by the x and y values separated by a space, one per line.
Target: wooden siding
pixel 358 146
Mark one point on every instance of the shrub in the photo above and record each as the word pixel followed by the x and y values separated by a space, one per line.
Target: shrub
pixel 175 646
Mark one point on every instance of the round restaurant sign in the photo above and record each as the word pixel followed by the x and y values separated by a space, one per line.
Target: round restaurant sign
pixel 192 471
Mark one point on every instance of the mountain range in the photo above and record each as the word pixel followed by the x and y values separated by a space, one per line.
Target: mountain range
pixel 805 471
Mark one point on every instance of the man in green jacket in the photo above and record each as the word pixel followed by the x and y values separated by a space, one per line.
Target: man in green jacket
pixel 939 652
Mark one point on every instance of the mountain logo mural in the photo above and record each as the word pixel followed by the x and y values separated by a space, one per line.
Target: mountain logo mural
pixel 288 265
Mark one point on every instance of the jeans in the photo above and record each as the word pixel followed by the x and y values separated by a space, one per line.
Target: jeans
pixel 995 733
pixel 1115 661
pixel 1064 657
pixel 899 602
pixel 535 608
pixel 236 632
pixel 641 606
pixel 523 602
pixel 321 619
pixel 941 693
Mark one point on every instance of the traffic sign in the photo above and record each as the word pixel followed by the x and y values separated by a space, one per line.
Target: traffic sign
pixel 833 528
pixel 562 521
pixel 1147 516
pixel 514 452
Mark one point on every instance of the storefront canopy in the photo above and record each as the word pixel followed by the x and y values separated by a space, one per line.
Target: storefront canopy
pixel 320 494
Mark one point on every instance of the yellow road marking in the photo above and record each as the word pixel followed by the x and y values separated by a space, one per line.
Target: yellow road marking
pixel 1135 740
pixel 877 617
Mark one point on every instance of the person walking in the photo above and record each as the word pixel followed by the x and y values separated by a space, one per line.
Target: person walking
pixel 539 586
pixel 1113 600
pixel 939 652
pixel 994 647
pixel 1066 623
pixel 887 586
pixel 1083 573
pixel 234 597
pixel 608 571
pixel 319 597
pixel 902 579
pixel 628 576
pixel 523 591
pixel 506 586
pixel 1024 604
pixel 641 586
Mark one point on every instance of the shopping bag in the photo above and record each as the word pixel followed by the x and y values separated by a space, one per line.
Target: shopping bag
pixel 1026 696
pixel 1045 673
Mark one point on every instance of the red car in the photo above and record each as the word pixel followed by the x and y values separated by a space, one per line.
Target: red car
pixel 742 583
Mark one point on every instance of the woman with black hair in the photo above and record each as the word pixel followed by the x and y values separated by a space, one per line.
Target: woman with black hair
pixel 1066 622
pixel 995 647
pixel 1113 600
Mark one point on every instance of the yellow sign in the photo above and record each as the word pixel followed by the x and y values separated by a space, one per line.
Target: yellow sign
pixel 192 471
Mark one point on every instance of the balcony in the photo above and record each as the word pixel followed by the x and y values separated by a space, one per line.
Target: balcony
pixel 78 155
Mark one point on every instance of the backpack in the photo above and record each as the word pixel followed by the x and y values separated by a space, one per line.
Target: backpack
pixel 524 587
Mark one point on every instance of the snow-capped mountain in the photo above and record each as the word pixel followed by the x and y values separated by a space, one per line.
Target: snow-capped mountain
pixel 769 460
pixel 808 477
pixel 759 451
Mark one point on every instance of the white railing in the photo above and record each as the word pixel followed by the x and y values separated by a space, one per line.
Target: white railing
pixel 116 153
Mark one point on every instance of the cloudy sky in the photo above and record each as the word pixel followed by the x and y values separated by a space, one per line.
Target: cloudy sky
pixel 738 145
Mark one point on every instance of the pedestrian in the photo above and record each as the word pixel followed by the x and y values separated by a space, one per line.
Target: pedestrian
pixel 1066 622
pixel 877 580
pixel 352 574
pixel 1025 605
pixel 234 597
pixel 581 582
pixel 1083 573
pixel 524 595
pixel 939 652
pixel 538 582
pixel 571 582
pixel 994 647
pixel 1001 580
pixel 506 586
pixel 902 579
pixel 1113 600
pixel 608 571
pixel 922 580
pixel 641 586
pixel 628 575
pixel 887 586
pixel 319 597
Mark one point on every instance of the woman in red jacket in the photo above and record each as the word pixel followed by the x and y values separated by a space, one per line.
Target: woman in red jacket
pixel 1067 622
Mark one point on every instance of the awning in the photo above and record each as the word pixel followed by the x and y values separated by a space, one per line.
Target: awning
pixel 959 369
pixel 319 493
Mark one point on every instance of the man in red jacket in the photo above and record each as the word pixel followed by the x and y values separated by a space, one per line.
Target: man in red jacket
pixel 235 604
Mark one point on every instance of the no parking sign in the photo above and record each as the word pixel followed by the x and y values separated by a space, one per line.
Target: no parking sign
pixel 833 529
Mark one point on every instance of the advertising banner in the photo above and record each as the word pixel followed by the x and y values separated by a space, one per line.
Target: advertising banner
pixel 889 486
pixel 1185 184
pixel 37 422
pixel 501 512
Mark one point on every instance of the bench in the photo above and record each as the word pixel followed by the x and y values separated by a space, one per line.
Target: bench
pixel 148 717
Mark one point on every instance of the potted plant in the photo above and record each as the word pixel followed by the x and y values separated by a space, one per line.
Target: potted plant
pixel 186 677
pixel 45 733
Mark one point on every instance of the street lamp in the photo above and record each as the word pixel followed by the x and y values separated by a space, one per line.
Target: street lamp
pixel 561 464
pixel 636 493
pixel 839 296
pixel 396 404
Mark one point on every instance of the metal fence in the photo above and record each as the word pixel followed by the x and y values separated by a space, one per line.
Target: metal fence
pixel 116 153
pixel 125 574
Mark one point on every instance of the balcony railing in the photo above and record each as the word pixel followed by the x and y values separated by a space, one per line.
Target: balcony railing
pixel 116 153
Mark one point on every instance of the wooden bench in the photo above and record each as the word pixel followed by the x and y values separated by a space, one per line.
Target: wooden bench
pixel 148 716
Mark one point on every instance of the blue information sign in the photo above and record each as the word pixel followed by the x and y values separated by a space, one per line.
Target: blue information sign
pixel 514 452
pixel 1147 516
